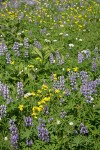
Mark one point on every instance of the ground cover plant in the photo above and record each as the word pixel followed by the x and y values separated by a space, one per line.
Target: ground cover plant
pixel 50 75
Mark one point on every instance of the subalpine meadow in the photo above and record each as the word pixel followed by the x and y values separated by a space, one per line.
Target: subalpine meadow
pixel 50 75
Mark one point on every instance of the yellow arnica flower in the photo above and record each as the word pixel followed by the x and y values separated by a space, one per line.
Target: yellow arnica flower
pixel 34 108
pixel 39 103
pixel 12 62
pixel 75 69
pixel 68 69
pixel 21 107
pixel 39 91
pixel 33 94
pixel 57 91
pixel 44 87
pixel 34 115
pixel 30 66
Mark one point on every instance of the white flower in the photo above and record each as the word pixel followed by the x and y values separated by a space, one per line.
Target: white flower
pixel 66 34
pixel 47 41
pixel 80 39
pixel 60 33
pixel 71 123
pixel 92 98
pixel 71 45
pixel 84 51
pixel 47 34
pixel 5 138
pixel 54 40
pixel 58 121
pixel 54 61
pixel 63 69
pixel 0 119
pixel 27 94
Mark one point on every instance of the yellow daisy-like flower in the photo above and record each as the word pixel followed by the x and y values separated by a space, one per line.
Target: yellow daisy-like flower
pixel 30 66
pixel 12 62
pixel 34 108
pixel 68 69
pixel 75 69
pixel 34 115
pixel 33 94
pixel 57 91
pixel 39 91
pixel 39 103
pixel 44 87
pixel 21 107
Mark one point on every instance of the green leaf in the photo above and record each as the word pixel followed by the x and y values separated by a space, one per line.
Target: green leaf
pixel 37 52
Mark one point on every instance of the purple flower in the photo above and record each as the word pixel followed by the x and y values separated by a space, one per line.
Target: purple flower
pixel 20 92
pixel 8 59
pixel 28 121
pixel 29 142
pixel 43 133
pixel 14 134
pixel 16 47
pixel 2 111
pixel 83 129
pixel 26 44
pixel 80 57
pixel 52 61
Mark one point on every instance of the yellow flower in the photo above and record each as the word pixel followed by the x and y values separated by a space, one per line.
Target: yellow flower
pixel 46 99
pixel 68 69
pixel 39 91
pixel 44 87
pixel 34 108
pixel 57 91
pixel 21 107
pixel 39 103
pixel 34 115
pixel 30 66
pixel 33 94
pixel 12 62
pixel 75 69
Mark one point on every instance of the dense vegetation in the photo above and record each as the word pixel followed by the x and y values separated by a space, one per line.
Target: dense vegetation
pixel 50 75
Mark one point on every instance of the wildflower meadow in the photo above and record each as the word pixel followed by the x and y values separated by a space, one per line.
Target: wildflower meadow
pixel 50 75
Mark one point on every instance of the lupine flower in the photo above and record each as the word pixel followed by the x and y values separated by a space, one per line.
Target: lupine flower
pixel 84 77
pixel 16 48
pixel 62 114
pixel 2 111
pixel 5 92
pixel 37 44
pixel 14 134
pixel 46 111
pixel 8 59
pixel 50 120
pixel 80 57
pixel 58 57
pixel 43 133
pixel 20 92
pixel 83 129
pixel 94 65
pixel 28 121
pixel 29 142
pixel 26 44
